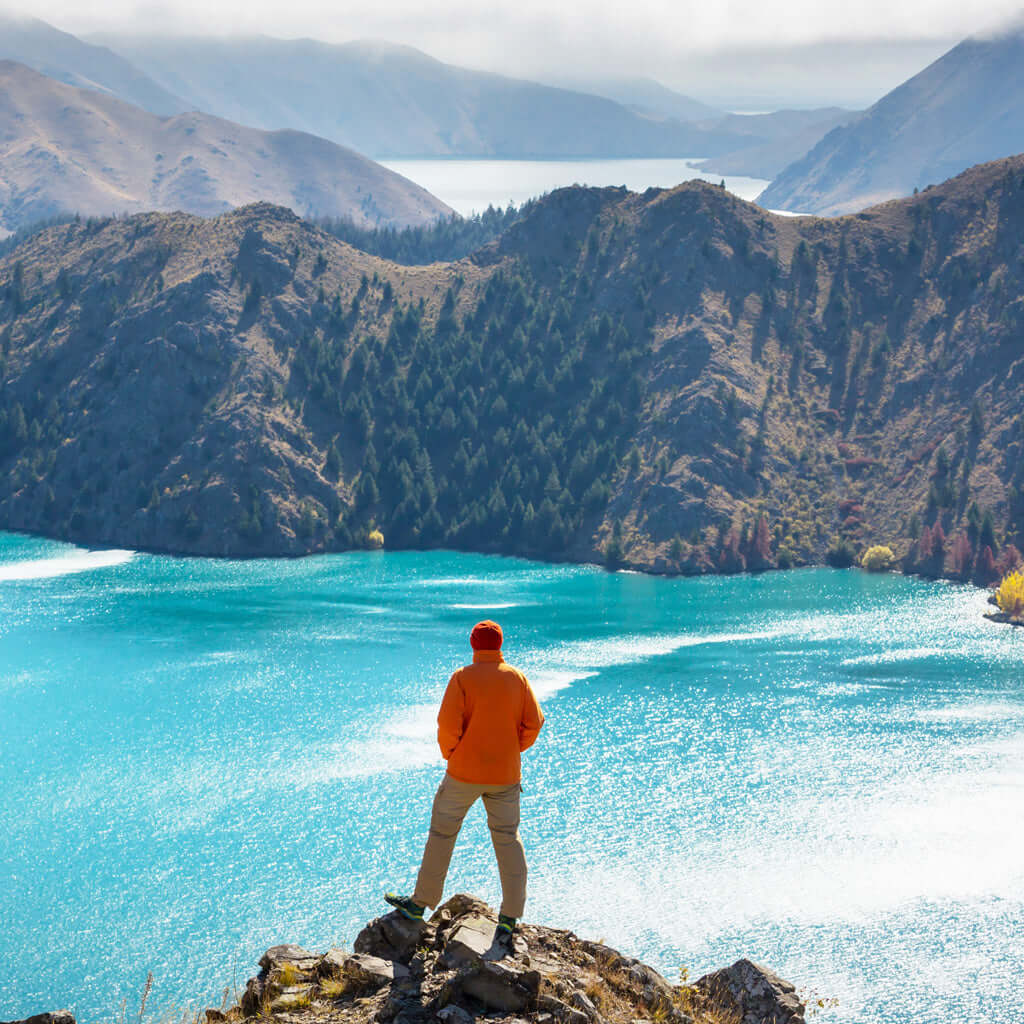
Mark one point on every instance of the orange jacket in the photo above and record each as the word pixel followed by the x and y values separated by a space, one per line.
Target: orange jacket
pixel 489 714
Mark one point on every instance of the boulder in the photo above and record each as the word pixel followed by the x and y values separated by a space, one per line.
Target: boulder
pixel 365 971
pixel 753 993
pixel 472 938
pixel 393 937
pixel 299 959
pixel 500 987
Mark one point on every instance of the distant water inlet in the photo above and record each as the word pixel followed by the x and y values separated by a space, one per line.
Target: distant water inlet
pixel 470 186
pixel 819 770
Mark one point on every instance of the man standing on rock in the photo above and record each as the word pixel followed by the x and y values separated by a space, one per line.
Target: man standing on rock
pixel 488 716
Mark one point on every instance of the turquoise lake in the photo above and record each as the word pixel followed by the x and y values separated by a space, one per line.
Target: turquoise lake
pixel 820 770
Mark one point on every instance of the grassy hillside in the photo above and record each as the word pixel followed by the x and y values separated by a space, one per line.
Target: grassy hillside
pixel 675 380
pixel 69 149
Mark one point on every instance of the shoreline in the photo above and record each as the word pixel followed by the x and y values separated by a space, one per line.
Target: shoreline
pixel 625 567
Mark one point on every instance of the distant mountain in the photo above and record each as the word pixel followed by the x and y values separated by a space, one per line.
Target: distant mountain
pixel 776 139
pixel 675 380
pixel 394 101
pixel 68 59
pixel 75 150
pixel 964 108
pixel 644 96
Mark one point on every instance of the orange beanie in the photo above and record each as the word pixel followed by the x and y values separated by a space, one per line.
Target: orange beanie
pixel 486 636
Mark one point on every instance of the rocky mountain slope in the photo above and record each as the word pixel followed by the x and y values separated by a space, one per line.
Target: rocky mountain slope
pixel 80 151
pixel 75 62
pixel 675 380
pixel 961 110
pixel 394 101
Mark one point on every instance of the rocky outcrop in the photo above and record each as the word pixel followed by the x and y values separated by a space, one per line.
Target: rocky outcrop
pixel 457 967
pixel 755 994
pixel 56 1017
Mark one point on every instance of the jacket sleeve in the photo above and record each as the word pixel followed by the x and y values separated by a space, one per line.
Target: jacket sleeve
pixel 533 717
pixel 449 718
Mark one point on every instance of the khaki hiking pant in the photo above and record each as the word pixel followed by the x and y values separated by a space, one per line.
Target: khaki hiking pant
pixel 453 800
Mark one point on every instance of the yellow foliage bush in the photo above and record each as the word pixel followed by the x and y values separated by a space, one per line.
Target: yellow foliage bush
pixel 878 558
pixel 1010 595
pixel 375 539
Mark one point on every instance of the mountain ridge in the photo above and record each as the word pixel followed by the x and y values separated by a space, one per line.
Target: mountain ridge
pixel 64 149
pixel 674 380
pixel 400 102
pixel 71 60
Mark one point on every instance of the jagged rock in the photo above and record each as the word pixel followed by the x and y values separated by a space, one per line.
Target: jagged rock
pixel 561 1012
pixel 473 938
pixel 294 997
pixel 453 1014
pixel 332 963
pixel 251 1002
pixel 754 993
pixel 500 987
pixel 367 971
pixel 295 956
pixel 393 937
pixel 585 1004
pixel 450 971
pixel 54 1017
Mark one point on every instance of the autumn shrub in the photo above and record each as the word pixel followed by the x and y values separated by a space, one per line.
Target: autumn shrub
pixel 1010 596
pixel 878 558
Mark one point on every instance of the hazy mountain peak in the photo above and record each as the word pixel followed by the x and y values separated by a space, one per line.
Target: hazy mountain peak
pixel 67 58
pixel 961 110
pixel 392 100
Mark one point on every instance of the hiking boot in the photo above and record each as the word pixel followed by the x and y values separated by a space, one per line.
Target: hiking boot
pixel 405 906
pixel 506 925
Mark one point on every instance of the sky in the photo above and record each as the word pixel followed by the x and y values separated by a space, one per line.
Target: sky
pixel 837 48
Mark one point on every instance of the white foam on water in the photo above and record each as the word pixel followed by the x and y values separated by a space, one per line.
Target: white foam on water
pixel 993 711
pixel 893 657
pixel 405 741
pixel 548 681
pixel 486 607
pixel 78 560
pixel 459 581
pixel 628 650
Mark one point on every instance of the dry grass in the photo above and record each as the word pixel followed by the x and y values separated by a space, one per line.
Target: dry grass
pixel 696 1003
pixel 289 974
pixel 335 988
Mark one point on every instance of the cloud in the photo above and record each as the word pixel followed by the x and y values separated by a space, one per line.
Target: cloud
pixel 673 40
pixel 679 25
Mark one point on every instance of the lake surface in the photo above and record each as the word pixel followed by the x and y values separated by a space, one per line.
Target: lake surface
pixel 821 770
pixel 469 186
